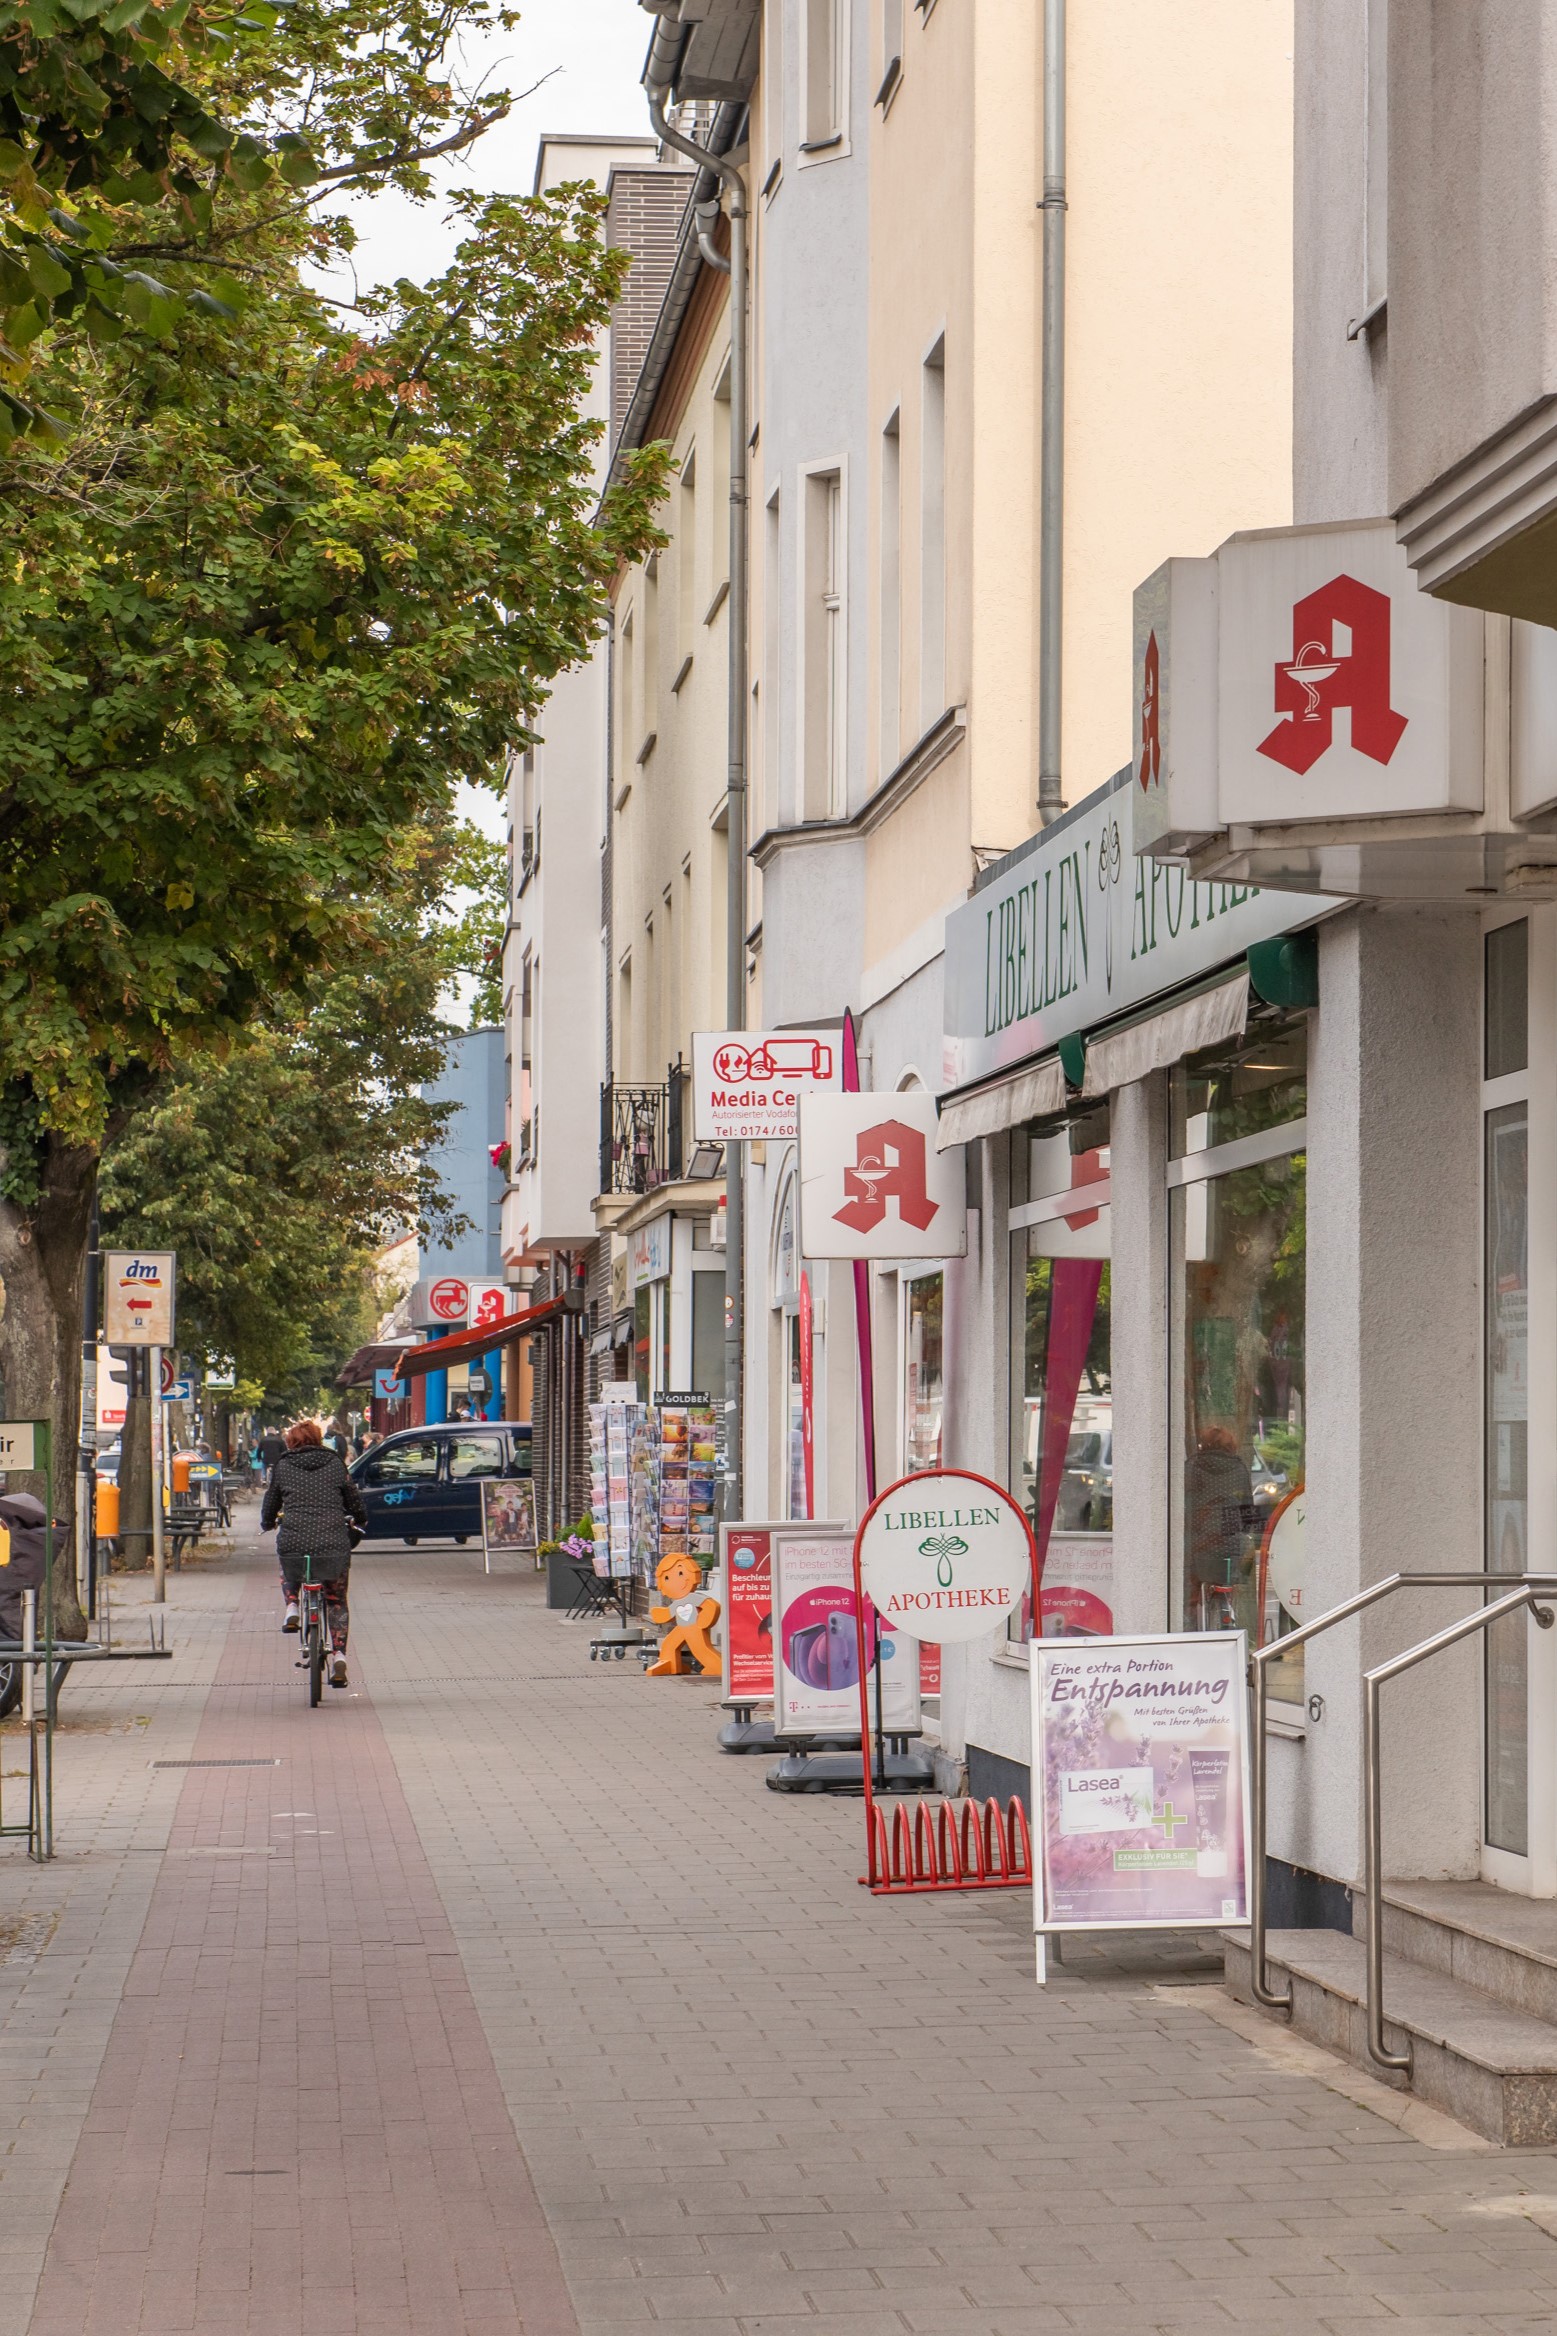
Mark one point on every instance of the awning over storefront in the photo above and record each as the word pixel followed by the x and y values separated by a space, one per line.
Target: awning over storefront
pixel 464 1346
pixel 1155 1044
pixel 368 1359
pixel 1033 1092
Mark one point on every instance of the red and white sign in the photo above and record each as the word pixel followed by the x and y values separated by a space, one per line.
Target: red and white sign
pixel 439 1301
pixel 488 1304
pixel 1343 691
pixel 946 1555
pixel 748 1613
pixel 747 1084
pixel 872 1183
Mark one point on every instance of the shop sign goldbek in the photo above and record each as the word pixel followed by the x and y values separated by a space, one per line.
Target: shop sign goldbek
pixel 1078 930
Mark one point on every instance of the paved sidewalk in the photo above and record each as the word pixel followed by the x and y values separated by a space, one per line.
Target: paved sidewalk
pixel 506 2003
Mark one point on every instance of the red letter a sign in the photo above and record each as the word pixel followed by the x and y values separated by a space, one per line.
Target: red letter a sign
pixel 1340 657
pixel 889 1164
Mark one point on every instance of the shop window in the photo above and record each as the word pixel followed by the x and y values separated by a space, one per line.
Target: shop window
pixel 923 1300
pixel 1239 1279
pixel 1507 1000
pixel 1240 1088
pixel 1062 1425
pixel 794 1421
pixel 1507 1382
pixel 708 1334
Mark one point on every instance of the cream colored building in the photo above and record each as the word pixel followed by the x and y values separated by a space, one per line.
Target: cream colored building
pixel 895 626
pixel 666 852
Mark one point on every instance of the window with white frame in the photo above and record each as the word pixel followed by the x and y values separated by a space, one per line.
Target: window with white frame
pixel 826 75
pixel 1239 1380
pixel 1505 1097
pixel 824 679
pixel 1062 1405
pixel 932 538
pixel 890 678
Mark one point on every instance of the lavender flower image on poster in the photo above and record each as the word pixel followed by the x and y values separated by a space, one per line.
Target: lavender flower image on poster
pixel 1142 1745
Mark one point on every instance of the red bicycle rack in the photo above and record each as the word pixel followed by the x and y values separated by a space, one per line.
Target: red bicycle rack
pixel 961 1845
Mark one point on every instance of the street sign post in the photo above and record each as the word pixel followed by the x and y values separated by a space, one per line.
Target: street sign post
pixel 25 1445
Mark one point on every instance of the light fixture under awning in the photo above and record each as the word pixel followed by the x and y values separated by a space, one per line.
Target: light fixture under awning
pixel 1033 1092
pixel 1207 1019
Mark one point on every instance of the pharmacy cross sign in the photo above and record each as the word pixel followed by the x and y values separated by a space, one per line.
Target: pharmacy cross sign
pixel 946 1556
pixel 1169 1819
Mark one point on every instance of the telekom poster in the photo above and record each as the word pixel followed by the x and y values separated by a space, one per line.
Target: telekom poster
pixel 817 1679
pixel 1143 1748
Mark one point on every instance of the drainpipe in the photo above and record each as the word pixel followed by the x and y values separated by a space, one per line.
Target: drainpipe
pixel 1051 521
pixel 659 77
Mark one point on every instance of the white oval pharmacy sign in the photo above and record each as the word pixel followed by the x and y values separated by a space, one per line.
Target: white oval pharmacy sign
pixel 946 1556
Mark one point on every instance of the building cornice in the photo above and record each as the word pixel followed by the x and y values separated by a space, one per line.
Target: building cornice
pixel 944 735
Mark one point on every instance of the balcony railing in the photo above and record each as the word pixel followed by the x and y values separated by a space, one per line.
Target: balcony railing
pixel 641 1134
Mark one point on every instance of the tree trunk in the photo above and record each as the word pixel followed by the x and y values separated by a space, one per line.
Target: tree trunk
pixel 42 1260
pixel 135 1481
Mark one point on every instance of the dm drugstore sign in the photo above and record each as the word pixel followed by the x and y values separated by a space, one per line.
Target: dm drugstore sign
pixel 1077 930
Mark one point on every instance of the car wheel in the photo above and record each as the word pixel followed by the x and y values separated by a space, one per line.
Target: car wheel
pixel 10 1688
pixel 411 1540
pixel 460 1540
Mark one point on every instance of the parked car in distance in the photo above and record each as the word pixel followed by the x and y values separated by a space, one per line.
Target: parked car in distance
pixel 424 1484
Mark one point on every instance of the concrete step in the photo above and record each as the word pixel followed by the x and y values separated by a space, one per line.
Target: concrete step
pixel 1503 1944
pixel 1493 2068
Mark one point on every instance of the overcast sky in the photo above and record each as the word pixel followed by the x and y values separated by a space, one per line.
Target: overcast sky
pixel 587 56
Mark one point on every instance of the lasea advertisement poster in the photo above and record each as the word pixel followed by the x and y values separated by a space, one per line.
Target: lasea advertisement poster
pixel 1143 1748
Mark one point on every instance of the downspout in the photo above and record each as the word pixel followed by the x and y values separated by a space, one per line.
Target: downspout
pixel 1051 519
pixel 659 76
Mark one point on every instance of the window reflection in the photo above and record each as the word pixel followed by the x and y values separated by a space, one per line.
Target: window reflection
pixel 1240 1088
pixel 1239 1244
pixel 1063 1428
pixel 922 1379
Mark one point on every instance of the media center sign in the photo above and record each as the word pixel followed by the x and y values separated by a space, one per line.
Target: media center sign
pixel 946 1556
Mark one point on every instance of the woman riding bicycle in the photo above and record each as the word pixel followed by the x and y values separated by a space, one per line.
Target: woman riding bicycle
pixel 316 1503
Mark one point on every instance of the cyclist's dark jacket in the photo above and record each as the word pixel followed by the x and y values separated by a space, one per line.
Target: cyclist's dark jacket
pixel 312 1496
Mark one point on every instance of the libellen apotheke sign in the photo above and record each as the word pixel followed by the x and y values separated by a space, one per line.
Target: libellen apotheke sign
pixel 1078 929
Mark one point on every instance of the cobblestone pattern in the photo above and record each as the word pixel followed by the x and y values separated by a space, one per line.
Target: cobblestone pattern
pixel 296 2127
pixel 753 2101
pixel 757 2102
pixel 81 1916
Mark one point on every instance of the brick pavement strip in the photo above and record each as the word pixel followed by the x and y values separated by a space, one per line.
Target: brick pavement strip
pixel 521 2009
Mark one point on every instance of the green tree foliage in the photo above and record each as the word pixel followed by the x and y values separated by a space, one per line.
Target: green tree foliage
pixel 283 589
pixel 277 1171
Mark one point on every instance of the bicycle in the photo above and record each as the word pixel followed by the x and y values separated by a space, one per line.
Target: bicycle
pixel 311 1631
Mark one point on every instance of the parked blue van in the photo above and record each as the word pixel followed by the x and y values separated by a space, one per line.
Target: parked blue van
pixel 424 1484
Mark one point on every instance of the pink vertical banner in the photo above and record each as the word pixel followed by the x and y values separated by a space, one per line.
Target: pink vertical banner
pixel 807 1397
pixel 862 1326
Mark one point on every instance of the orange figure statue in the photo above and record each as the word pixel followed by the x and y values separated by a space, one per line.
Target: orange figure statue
pixel 679 1580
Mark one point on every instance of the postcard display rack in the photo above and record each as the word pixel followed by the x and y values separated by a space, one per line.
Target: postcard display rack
pixel 654 1476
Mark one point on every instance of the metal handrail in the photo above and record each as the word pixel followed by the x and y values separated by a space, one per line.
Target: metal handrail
pixel 1534 1588
pixel 1259 1976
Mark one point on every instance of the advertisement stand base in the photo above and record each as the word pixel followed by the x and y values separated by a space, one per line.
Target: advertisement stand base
pixel 840 1772
pixel 744 1734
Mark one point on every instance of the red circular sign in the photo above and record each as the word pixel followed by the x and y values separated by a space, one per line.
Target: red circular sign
pixel 449 1300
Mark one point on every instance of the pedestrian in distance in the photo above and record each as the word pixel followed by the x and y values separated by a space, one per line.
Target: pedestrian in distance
pixel 314 1504
pixel 271 1446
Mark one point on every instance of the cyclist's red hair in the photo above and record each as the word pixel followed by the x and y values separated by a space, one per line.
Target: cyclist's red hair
pixel 306 1431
